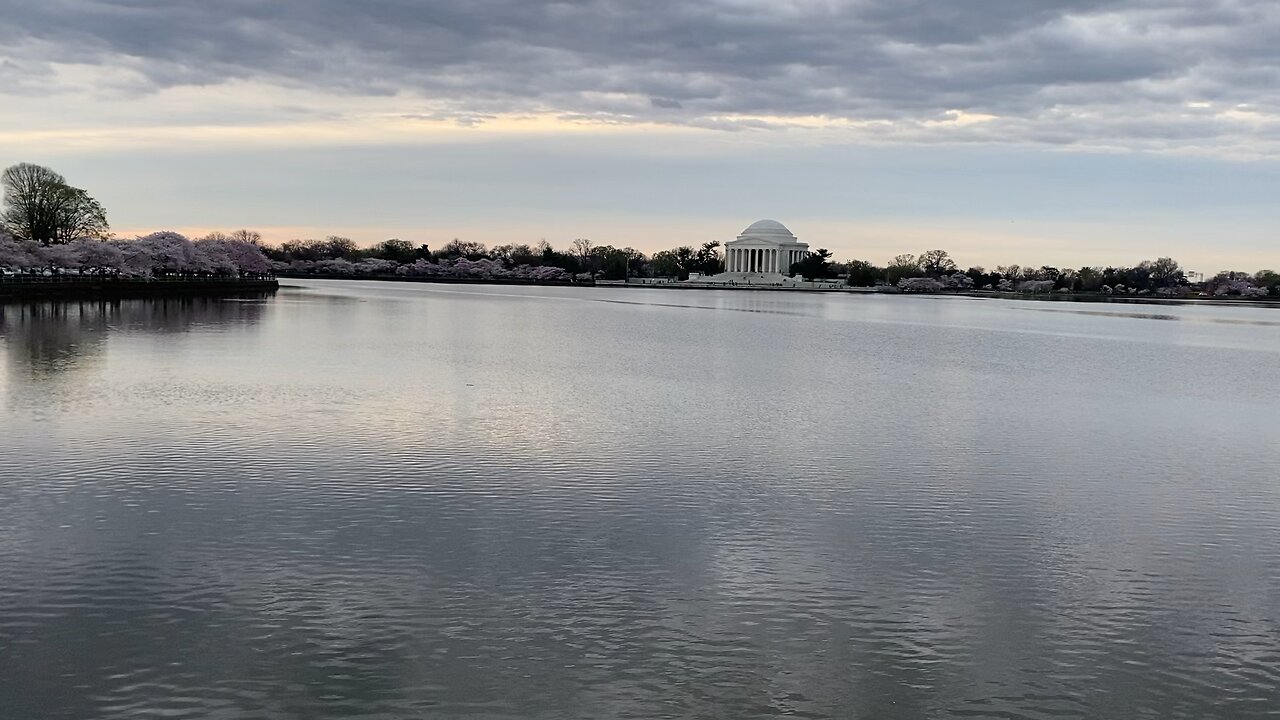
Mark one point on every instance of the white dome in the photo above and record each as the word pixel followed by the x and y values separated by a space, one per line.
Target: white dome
pixel 768 230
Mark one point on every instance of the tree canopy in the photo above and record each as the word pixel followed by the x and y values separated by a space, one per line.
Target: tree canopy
pixel 41 207
pixel 815 265
pixel 936 263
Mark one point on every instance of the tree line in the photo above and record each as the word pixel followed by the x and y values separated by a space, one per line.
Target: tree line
pixel 50 226
pixel 935 271
pixel 929 272
pixel 157 255
pixel 582 260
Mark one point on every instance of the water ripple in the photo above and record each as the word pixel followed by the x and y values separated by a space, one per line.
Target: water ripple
pixel 511 509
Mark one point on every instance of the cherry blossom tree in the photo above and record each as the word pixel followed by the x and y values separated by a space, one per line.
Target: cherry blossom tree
pixel 15 255
pixel 1036 286
pixel 541 273
pixel 920 285
pixel 212 258
pixel 170 252
pixel 375 266
pixel 97 256
pixel 58 257
pixel 335 266
pixel 233 254
pixel 1236 284
pixel 419 268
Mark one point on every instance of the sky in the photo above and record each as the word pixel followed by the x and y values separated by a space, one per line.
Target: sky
pixel 1061 132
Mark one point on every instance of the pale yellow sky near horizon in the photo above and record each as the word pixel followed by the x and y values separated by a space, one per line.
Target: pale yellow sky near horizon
pixel 973 236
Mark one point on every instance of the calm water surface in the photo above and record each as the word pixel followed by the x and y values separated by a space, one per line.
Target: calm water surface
pixel 396 501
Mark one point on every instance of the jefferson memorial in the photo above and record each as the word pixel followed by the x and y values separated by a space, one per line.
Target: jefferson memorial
pixel 766 247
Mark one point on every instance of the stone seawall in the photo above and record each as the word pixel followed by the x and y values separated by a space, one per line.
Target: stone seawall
pixel 12 290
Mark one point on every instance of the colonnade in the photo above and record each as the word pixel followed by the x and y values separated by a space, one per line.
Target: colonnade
pixel 761 260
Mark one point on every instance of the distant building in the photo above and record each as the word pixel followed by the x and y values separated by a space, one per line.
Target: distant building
pixel 767 246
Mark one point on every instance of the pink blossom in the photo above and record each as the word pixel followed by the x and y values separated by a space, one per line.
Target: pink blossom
pixel 233 256
pixel 97 255
pixel 170 252
pixel 15 255
pixel 375 266
pixel 61 257
pixel 920 284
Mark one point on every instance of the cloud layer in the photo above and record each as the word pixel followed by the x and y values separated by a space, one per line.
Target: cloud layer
pixel 1133 74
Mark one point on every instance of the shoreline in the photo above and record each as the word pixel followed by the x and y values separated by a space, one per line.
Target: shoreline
pixel 838 288
pixel 1122 299
pixel 80 288
pixel 1081 297
pixel 445 280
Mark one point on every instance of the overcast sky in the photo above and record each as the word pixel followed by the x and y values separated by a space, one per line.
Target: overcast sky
pixel 1005 131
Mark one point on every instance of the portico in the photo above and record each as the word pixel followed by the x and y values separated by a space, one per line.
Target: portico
pixel 762 259
pixel 765 247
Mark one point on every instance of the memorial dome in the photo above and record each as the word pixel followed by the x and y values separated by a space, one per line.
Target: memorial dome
pixel 771 230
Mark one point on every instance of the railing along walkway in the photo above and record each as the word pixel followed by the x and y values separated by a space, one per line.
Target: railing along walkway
pixel 21 279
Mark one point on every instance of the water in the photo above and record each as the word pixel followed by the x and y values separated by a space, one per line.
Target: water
pixel 393 500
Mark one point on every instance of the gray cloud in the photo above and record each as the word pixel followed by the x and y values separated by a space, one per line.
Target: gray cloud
pixel 1123 72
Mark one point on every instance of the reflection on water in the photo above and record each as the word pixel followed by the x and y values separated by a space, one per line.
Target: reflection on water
pixel 369 500
pixel 46 344
pixel 47 338
pixel 53 336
